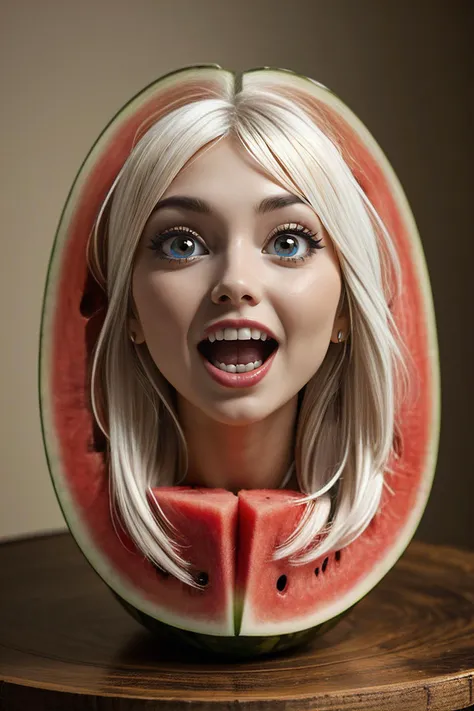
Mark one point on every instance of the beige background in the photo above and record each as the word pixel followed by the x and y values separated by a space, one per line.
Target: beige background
pixel 66 67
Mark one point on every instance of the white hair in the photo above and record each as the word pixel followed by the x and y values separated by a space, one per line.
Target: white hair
pixel 347 428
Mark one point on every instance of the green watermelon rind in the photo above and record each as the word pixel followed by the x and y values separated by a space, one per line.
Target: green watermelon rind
pixel 231 648
pixel 80 532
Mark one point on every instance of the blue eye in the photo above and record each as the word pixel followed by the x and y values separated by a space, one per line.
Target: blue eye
pixel 180 247
pixel 293 242
pixel 178 244
pixel 288 246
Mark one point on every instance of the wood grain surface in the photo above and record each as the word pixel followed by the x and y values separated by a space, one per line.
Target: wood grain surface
pixel 67 645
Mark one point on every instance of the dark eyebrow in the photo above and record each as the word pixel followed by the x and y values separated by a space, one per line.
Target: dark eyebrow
pixel 185 203
pixel 196 205
pixel 277 202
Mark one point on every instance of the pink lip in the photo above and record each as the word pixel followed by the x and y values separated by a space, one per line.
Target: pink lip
pixel 238 323
pixel 239 380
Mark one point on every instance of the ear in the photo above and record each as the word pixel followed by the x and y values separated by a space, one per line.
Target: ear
pixel 135 331
pixel 342 321
pixel 341 325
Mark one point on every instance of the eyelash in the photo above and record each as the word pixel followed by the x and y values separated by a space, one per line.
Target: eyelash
pixel 290 229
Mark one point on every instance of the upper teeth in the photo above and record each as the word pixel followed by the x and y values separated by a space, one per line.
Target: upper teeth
pixel 237 334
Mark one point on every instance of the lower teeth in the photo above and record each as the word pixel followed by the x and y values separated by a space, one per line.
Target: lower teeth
pixel 241 368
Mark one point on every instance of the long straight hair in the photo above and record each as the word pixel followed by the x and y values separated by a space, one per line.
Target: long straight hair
pixel 347 421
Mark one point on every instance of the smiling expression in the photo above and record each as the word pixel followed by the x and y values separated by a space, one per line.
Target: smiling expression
pixel 226 242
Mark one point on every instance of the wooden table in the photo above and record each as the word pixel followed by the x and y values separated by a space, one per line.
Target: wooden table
pixel 66 644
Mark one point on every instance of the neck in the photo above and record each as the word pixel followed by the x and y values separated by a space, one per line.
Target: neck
pixel 233 457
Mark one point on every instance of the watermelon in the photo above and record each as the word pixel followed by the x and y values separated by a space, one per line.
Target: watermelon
pixel 245 603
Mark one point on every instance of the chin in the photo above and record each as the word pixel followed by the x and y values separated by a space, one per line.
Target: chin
pixel 238 414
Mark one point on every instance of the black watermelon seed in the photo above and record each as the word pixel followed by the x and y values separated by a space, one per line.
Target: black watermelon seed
pixel 325 564
pixel 202 579
pixel 281 582
pixel 316 572
pixel 338 556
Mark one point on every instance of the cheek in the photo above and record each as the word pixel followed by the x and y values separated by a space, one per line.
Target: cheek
pixel 311 306
pixel 164 308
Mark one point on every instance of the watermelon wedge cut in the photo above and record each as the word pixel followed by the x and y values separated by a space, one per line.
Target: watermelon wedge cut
pixel 247 603
pixel 206 524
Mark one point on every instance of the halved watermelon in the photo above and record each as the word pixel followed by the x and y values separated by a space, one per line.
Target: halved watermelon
pixel 250 604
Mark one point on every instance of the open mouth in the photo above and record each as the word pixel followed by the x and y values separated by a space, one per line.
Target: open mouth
pixel 237 356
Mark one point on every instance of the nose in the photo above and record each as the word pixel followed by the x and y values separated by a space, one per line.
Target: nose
pixel 238 280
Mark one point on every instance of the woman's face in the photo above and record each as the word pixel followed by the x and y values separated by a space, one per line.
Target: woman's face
pixel 226 245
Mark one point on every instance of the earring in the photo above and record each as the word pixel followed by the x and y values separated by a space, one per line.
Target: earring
pixel 340 336
pixel 133 336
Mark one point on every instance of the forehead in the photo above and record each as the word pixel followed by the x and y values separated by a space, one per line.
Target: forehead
pixel 224 171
